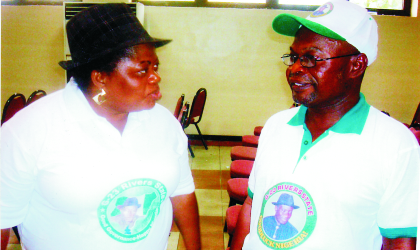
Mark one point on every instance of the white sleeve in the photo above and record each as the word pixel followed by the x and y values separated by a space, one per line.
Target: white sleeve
pixel 397 216
pixel 18 172
pixel 186 182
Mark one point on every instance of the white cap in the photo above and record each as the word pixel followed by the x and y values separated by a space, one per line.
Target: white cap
pixel 340 20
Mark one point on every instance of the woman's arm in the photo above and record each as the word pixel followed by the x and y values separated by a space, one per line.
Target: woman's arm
pixel 242 225
pixel 187 219
pixel 399 244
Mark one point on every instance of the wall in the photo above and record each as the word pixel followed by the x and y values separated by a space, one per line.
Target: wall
pixel 233 53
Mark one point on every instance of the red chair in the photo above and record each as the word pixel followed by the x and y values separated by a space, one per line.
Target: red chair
pixel 257 130
pixel 237 189
pixel 15 103
pixel 182 118
pixel 415 123
pixel 250 140
pixel 36 95
pixel 178 106
pixel 416 134
pixel 241 168
pixel 232 214
pixel 243 153
pixel 196 113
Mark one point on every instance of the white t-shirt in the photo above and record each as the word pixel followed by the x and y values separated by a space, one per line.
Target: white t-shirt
pixel 357 181
pixel 72 181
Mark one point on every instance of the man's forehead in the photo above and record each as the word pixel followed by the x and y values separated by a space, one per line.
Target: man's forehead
pixel 308 40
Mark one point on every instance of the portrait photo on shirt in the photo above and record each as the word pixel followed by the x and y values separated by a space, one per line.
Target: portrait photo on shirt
pixel 284 216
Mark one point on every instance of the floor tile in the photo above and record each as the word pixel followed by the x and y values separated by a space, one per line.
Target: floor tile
pixel 206 159
pixel 225 159
pixel 209 202
pixel 173 241
pixel 211 236
pixel 207 179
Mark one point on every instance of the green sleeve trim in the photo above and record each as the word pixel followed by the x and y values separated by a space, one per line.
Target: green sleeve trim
pixel 393 233
pixel 250 193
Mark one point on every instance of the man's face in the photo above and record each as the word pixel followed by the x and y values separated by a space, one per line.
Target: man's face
pixel 324 84
pixel 129 213
pixel 283 213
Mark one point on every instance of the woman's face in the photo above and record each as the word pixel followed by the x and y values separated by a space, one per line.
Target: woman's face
pixel 134 84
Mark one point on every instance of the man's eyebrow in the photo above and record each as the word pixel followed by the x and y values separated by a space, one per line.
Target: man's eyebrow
pixel 308 49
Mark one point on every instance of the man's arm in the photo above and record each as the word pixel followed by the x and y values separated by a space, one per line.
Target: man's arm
pixel 5 233
pixel 187 219
pixel 399 244
pixel 242 225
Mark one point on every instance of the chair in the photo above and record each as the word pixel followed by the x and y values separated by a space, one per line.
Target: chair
pixel 15 103
pixel 38 94
pixel 416 119
pixel 243 153
pixel 241 168
pixel 232 214
pixel 237 189
pixel 182 118
pixel 250 140
pixel 179 105
pixel 196 112
pixel 257 130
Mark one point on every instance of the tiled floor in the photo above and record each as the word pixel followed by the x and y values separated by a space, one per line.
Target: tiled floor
pixel 210 169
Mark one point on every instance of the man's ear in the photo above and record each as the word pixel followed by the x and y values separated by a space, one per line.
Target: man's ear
pixel 98 79
pixel 358 65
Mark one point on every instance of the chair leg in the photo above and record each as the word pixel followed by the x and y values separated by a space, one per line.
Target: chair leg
pixel 15 230
pixel 192 154
pixel 201 136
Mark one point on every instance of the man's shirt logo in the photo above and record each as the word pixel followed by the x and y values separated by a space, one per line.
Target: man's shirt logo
pixel 127 212
pixel 288 216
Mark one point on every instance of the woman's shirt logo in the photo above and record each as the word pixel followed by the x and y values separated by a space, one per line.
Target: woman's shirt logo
pixel 127 213
pixel 288 216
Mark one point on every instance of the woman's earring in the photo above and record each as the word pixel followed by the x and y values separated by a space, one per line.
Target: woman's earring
pixel 100 98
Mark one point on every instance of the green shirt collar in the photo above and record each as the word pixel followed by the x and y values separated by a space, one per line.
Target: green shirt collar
pixel 352 122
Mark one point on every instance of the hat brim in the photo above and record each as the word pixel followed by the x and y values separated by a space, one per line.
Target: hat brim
pixel 69 65
pixel 288 25
pixel 279 204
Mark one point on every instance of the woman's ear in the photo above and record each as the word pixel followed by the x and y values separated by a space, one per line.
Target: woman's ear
pixel 358 65
pixel 98 79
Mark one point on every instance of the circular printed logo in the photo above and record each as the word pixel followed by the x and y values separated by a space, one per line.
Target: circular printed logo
pixel 127 212
pixel 288 216
pixel 323 10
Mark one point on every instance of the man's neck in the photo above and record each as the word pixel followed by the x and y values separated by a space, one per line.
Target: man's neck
pixel 320 119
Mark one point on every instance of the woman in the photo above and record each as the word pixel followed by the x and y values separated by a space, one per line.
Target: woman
pixel 100 165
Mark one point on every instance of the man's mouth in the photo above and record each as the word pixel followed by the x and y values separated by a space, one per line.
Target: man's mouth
pixel 299 86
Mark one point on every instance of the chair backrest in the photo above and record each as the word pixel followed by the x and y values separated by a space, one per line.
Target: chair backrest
pixel 184 117
pixel 15 103
pixel 178 106
pixel 416 118
pixel 197 106
pixel 38 94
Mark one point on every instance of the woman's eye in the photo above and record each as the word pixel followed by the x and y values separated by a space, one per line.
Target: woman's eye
pixel 142 71
pixel 156 67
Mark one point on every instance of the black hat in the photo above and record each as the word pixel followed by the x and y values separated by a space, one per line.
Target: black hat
pixel 102 29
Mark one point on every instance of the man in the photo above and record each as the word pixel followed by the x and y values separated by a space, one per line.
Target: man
pixel 354 169
pixel 126 214
pixel 278 226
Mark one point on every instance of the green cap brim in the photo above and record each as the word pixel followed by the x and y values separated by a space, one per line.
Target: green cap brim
pixel 288 25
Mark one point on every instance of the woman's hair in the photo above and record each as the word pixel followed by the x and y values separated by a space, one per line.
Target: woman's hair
pixel 107 64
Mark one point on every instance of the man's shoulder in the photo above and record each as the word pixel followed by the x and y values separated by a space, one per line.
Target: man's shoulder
pixel 386 129
pixel 283 116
